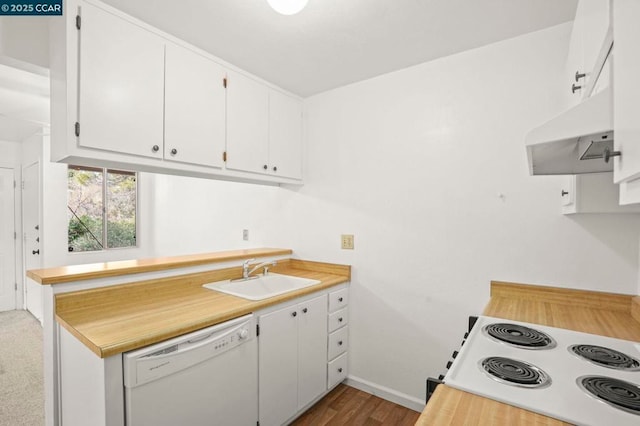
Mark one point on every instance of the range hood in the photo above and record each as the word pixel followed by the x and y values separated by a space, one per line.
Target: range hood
pixel 574 142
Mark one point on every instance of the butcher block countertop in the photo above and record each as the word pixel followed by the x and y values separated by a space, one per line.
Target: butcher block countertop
pixel 65 274
pixel 112 320
pixel 607 314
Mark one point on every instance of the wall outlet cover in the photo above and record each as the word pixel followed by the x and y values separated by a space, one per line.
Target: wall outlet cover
pixel 347 241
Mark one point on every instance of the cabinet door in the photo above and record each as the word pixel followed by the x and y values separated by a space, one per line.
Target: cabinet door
pixel 194 129
pixel 278 366
pixel 285 135
pixel 247 124
pixel 121 85
pixel 626 68
pixel 312 349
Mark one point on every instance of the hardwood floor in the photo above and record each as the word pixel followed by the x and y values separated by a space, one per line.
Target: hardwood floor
pixel 349 406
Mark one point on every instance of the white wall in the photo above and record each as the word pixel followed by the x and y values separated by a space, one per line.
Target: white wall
pixel 427 167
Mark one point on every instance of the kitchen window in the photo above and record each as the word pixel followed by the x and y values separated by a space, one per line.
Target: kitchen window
pixel 101 208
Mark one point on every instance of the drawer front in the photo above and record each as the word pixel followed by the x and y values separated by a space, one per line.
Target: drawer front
pixel 338 299
pixel 338 342
pixel 337 370
pixel 338 319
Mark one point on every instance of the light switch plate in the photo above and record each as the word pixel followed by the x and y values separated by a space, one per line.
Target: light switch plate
pixel 347 241
pixel 245 234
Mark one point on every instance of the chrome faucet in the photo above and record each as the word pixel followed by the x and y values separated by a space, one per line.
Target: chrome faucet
pixel 246 273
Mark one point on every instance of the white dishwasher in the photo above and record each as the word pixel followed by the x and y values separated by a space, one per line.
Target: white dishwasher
pixel 208 377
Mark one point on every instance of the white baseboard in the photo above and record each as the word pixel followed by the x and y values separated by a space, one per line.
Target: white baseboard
pixel 384 392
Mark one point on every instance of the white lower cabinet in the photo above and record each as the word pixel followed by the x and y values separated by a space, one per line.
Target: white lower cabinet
pixel 292 358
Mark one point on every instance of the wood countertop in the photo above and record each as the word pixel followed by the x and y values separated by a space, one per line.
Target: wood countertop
pixel 111 320
pixel 606 314
pixel 65 274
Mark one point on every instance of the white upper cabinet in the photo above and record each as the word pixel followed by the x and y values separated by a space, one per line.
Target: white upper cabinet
pixel 121 85
pixel 285 135
pixel 272 143
pixel 126 95
pixel 194 128
pixel 588 48
pixel 247 124
pixel 626 69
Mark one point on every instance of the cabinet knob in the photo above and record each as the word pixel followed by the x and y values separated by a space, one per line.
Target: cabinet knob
pixel 340 343
pixel 294 313
pixel 304 310
pixel 37 227
pixel 340 319
pixel 36 251
pixel 608 154
pixel 563 193
pixel 580 75
pixel 574 88
pixel 275 169
pixel 265 167
pixel 340 299
pixel 155 148
pixel 340 370
pixel 174 151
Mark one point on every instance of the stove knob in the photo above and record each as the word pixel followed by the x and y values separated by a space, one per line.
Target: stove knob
pixel 243 334
pixel 449 364
pixel 454 354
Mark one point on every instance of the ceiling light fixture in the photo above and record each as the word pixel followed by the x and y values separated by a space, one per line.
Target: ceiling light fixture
pixel 287 7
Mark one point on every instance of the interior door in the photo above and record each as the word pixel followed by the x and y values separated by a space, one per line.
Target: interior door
pixel 31 243
pixel 7 241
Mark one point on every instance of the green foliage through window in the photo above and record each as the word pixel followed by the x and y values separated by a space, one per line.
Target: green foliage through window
pixel 101 202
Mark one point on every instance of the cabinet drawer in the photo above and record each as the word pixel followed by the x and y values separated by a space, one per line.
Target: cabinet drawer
pixel 338 299
pixel 338 319
pixel 337 371
pixel 338 342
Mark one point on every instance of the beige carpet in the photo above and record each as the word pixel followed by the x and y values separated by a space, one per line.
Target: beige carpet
pixel 21 375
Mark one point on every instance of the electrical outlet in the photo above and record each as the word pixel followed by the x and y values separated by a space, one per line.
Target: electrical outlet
pixel 245 234
pixel 347 241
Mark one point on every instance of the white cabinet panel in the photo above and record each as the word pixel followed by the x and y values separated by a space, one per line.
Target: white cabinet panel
pixel 312 350
pixel 626 69
pixel 121 85
pixel 338 299
pixel 247 124
pixel 194 108
pixel 285 135
pixel 338 319
pixel 278 366
pixel 338 342
pixel 337 371
pixel 593 193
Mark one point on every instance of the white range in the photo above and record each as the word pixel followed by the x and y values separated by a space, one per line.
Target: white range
pixel 576 377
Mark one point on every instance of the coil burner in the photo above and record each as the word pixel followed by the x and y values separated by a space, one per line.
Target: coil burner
pixel 617 393
pixel 514 372
pixel 605 357
pixel 519 335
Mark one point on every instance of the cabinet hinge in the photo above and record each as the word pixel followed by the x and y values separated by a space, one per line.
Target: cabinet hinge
pixel 14 184
pixel 224 156
pixel 15 235
pixel 224 82
pixel 78 21
pixel 257 330
pixel 77 129
pixel 15 286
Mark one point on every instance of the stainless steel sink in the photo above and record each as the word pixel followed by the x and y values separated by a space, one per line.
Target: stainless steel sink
pixel 262 287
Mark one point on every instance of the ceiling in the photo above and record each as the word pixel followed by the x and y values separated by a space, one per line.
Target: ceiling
pixel 336 42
